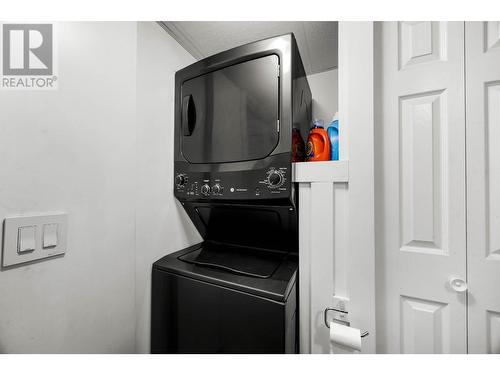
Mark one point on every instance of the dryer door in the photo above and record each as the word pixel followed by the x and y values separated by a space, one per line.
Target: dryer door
pixel 231 114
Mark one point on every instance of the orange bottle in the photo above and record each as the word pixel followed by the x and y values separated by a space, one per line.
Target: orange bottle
pixel 318 144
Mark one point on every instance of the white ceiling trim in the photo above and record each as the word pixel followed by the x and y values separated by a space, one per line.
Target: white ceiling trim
pixel 181 38
pixel 317 40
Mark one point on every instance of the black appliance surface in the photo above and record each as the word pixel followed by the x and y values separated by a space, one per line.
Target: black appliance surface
pixel 269 226
pixel 199 308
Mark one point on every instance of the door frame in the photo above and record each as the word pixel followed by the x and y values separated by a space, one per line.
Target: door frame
pixel 356 119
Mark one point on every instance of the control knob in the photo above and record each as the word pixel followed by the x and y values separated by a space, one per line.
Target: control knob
pixel 205 190
pixel 180 180
pixel 216 189
pixel 275 179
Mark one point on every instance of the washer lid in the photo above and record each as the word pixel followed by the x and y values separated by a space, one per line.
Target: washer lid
pixel 244 261
pixel 269 274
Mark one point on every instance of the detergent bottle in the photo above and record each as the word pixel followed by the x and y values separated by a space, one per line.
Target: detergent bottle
pixel 333 135
pixel 298 147
pixel 318 144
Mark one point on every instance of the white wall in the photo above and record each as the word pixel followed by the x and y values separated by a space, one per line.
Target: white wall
pixel 100 148
pixel 74 150
pixel 324 89
pixel 162 226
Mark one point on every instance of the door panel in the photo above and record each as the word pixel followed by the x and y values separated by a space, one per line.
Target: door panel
pixel 422 121
pixel 492 35
pixel 424 326
pixel 421 42
pixel 420 186
pixel 493 333
pixel 483 184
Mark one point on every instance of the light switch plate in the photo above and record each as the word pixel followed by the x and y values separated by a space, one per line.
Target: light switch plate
pixel 53 226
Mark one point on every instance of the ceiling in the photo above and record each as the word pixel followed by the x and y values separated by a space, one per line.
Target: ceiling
pixel 317 41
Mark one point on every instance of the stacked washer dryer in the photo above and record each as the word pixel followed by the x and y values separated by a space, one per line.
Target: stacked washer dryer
pixel 236 292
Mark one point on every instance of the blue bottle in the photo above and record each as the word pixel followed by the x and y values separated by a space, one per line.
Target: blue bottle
pixel 333 135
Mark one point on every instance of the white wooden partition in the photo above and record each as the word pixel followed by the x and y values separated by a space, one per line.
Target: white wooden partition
pixel 356 144
pixel 316 247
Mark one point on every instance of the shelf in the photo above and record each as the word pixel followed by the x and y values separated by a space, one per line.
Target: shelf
pixel 321 171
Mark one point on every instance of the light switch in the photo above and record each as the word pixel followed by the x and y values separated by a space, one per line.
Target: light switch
pixel 26 239
pixel 33 237
pixel 49 235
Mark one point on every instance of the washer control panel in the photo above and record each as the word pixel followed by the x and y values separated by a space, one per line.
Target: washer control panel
pixel 272 182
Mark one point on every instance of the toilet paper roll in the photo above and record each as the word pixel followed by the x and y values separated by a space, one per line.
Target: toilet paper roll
pixel 347 337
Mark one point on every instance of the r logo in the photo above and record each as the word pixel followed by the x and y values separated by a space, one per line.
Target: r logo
pixel 27 49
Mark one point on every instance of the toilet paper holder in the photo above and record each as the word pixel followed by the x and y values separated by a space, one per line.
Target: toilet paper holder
pixel 364 333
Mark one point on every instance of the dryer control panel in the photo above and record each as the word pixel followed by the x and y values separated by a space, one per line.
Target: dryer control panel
pixel 268 183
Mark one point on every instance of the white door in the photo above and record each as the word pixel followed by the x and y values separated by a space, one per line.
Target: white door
pixel 420 187
pixel 482 49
